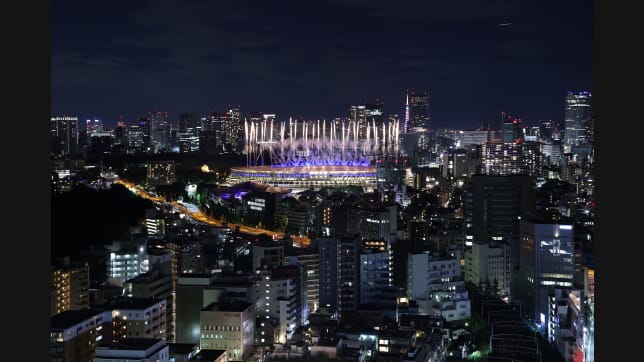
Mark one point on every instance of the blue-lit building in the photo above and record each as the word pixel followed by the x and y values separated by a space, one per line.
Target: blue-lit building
pixel 578 119
pixel 546 262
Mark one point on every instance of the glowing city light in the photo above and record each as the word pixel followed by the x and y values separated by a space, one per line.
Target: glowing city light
pixel 319 143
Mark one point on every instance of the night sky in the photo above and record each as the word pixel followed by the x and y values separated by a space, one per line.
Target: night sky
pixel 314 59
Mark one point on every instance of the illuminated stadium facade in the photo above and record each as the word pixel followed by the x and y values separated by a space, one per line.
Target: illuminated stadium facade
pixel 315 154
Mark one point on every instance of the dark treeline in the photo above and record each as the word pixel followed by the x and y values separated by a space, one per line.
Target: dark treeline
pixel 85 217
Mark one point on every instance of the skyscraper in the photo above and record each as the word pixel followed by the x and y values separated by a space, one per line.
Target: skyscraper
pixel 511 128
pixel 160 130
pixel 357 114
pixel 416 112
pixel 188 120
pixel 373 112
pixel 549 131
pixel 496 206
pixel 328 272
pixel 64 135
pixel 577 120
pixel 231 127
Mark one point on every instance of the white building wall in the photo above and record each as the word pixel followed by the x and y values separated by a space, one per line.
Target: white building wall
pixel 276 298
pixel 417 276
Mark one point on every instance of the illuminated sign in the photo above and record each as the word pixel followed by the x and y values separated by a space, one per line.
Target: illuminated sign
pixel 555 247
pixel 257 204
pixel 374 221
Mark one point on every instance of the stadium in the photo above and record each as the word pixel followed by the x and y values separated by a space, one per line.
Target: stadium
pixel 311 155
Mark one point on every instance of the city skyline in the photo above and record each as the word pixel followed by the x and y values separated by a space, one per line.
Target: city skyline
pixel 316 61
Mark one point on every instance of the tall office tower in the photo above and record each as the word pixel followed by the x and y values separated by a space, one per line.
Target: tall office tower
pixel 532 158
pixel 551 153
pixel 454 163
pixel 390 175
pixel 348 259
pixel 54 141
pixel 328 251
pixel 120 134
pixel 210 134
pixel 232 131
pixel 323 226
pixel 88 130
pixel 502 158
pixel 472 137
pixel 160 131
pixel 373 112
pixel 400 250
pixel 330 220
pixel 511 129
pixel 93 125
pixel 394 118
pixel 531 133
pixel 189 121
pixel 145 125
pixel 64 135
pixel 74 334
pixel 135 139
pixel 416 112
pixel 100 143
pixel 577 120
pixel 310 261
pixel 357 114
pixel 376 277
pixel 546 260
pixel 549 131
pixel 70 288
pixel 496 205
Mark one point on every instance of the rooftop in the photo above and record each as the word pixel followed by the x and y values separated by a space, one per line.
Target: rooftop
pixel 182 348
pixel 226 307
pixel 132 344
pixel 70 318
pixel 208 355
pixel 132 303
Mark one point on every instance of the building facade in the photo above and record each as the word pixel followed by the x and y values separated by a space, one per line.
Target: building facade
pixel 70 288
pixel 546 262
pixel 74 334
pixel 229 327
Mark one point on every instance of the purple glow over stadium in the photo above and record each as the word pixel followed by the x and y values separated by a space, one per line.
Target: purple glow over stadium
pixel 318 143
